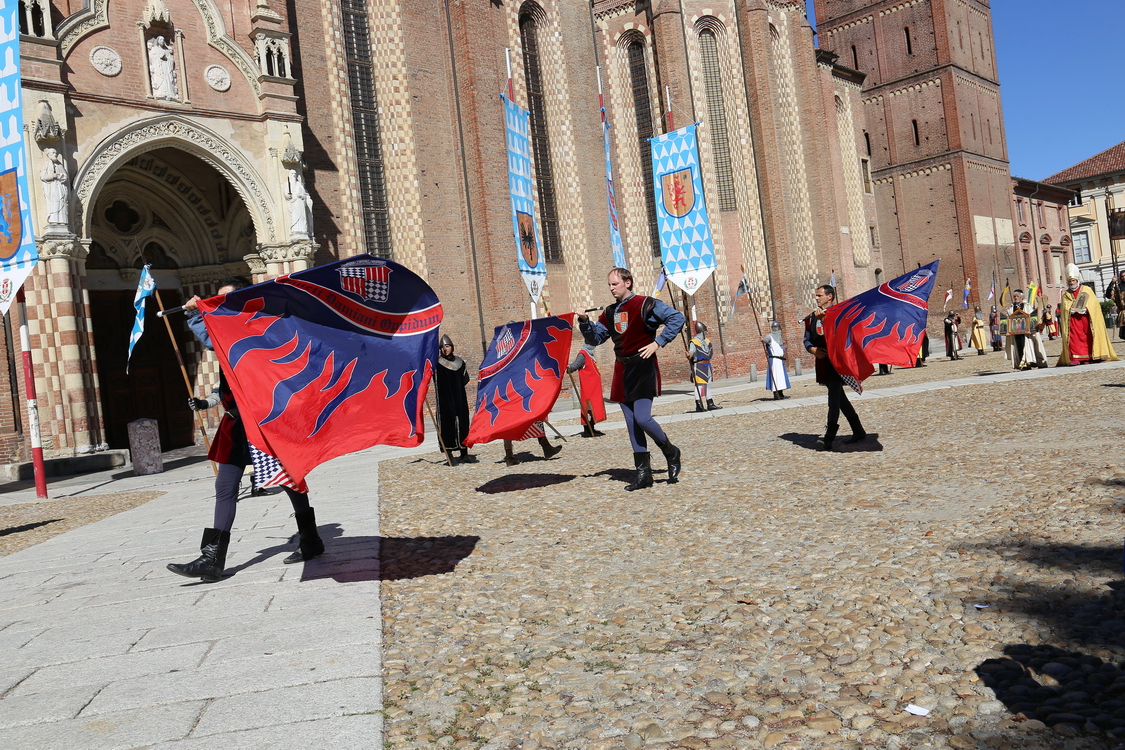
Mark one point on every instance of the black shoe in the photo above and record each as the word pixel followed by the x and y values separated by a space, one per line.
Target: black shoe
pixel 551 450
pixel 856 437
pixel 466 457
pixel 711 405
pixel 699 406
pixel 643 462
pixel 825 443
pixel 212 558
pixel 311 545
pixel 781 396
pixel 672 454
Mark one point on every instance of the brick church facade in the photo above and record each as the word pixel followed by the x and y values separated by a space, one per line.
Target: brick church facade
pixel 260 138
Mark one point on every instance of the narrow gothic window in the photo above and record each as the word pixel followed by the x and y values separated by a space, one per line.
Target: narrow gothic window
pixel 365 124
pixel 540 141
pixel 867 142
pixel 855 58
pixel 973 122
pixel 917 137
pixel 717 120
pixel 865 165
pixel 909 45
pixel 642 109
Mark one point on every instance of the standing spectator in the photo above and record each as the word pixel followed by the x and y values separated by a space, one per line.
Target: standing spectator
pixel 450 379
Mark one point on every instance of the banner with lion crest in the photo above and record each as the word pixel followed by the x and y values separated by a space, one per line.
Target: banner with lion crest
pixel 681 213
pixel 533 269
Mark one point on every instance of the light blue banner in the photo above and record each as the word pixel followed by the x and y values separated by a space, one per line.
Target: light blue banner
pixel 17 242
pixel 532 267
pixel 611 195
pixel 681 213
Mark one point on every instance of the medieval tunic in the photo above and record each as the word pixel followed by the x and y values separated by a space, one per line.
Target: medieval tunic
pixel 632 324
pixel 1084 335
pixel 450 378
pixel 777 377
pixel 701 351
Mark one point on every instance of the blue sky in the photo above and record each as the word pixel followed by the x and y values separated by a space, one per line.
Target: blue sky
pixel 1061 80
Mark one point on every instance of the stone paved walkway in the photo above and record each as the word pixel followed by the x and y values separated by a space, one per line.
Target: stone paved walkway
pixel 776 597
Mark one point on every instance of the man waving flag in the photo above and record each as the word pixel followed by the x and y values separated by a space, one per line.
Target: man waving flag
pixel 885 324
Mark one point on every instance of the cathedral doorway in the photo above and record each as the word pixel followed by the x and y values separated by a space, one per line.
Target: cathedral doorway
pixel 171 210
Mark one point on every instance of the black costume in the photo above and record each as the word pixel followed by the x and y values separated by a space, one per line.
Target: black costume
pixel 827 376
pixel 450 379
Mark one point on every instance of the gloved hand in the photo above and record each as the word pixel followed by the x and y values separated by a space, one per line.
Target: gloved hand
pixel 197 404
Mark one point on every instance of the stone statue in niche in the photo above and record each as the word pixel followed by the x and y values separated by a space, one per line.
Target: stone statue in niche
pixel 162 69
pixel 300 205
pixel 56 187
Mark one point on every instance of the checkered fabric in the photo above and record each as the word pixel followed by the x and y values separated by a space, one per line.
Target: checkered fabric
pixel 268 472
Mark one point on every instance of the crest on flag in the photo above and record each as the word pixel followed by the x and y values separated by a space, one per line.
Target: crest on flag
pixel 679 192
pixel 528 247
pixel 11 226
pixel 370 282
pixel 505 343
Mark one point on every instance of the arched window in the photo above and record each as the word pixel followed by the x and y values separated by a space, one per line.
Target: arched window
pixel 365 126
pixel 642 110
pixel 540 141
pixel 717 120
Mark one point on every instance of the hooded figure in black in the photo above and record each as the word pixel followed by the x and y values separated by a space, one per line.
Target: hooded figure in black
pixel 451 377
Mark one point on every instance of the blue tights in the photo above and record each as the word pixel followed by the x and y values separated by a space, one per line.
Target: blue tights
pixel 638 418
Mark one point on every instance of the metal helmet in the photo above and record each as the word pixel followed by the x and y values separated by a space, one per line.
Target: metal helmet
pixel 446 341
pixel 700 327
pixel 775 331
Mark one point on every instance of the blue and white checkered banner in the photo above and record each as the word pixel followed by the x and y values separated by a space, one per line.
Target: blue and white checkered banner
pixel 17 242
pixel 611 195
pixel 145 287
pixel 681 214
pixel 532 267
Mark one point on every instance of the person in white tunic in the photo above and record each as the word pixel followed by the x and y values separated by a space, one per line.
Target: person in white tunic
pixel 777 377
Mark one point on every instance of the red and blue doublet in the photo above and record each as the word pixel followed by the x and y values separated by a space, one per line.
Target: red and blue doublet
pixel 632 325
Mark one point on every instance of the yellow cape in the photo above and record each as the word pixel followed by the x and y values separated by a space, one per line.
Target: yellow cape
pixel 1101 348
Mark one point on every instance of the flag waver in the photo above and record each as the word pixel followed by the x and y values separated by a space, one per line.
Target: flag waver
pixel 885 324
pixel 330 360
pixel 145 287
pixel 520 378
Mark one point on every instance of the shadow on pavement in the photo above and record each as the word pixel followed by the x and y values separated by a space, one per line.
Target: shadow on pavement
pixel 516 482
pixel 625 476
pixel 1076 693
pixel 26 527
pixel 869 444
pixel 401 558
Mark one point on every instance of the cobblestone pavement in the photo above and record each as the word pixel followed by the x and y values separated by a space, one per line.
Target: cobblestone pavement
pixel 964 565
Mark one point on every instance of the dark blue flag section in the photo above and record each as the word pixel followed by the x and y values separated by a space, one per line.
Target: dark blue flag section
pixel 329 361
pixel 884 325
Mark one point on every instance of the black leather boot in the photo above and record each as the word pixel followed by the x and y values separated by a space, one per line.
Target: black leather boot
pixel 825 443
pixel 212 558
pixel 672 453
pixel 699 406
pixel 858 434
pixel 643 462
pixel 711 405
pixel 311 545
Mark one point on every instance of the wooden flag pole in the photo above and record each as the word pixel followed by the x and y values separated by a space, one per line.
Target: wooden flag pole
pixel 437 431
pixel 555 431
pixel 183 371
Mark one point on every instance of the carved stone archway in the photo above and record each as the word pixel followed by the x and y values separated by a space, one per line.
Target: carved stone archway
pixel 189 136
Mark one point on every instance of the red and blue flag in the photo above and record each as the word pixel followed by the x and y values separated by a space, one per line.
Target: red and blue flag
pixel 328 361
pixel 520 378
pixel 883 325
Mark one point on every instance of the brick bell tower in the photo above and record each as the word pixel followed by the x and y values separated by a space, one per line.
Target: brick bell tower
pixel 935 136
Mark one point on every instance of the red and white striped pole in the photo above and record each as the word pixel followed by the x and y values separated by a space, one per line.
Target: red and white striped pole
pixel 32 404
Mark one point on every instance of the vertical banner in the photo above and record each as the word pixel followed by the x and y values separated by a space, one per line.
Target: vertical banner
pixel 685 233
pixel 532 267
pixel 17 242
pixel 611 195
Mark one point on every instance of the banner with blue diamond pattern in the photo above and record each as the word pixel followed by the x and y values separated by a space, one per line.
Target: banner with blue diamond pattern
pixel 17 242
pixel 681 212
pixel 611 195
pixel 533 269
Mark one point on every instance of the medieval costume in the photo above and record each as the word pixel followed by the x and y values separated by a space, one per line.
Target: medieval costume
pixel 826 374
pixel 699 354
pixel 450 379
pixel 535 431
pixel 977 339
pixel 1049 324
pixel 1025 350
pixel 632 322
pixel 232 452
pixel 777 376
pixel 590 399
pixel 1115 291
pixel 994 330
pixel 951 342
pixel 1084 337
